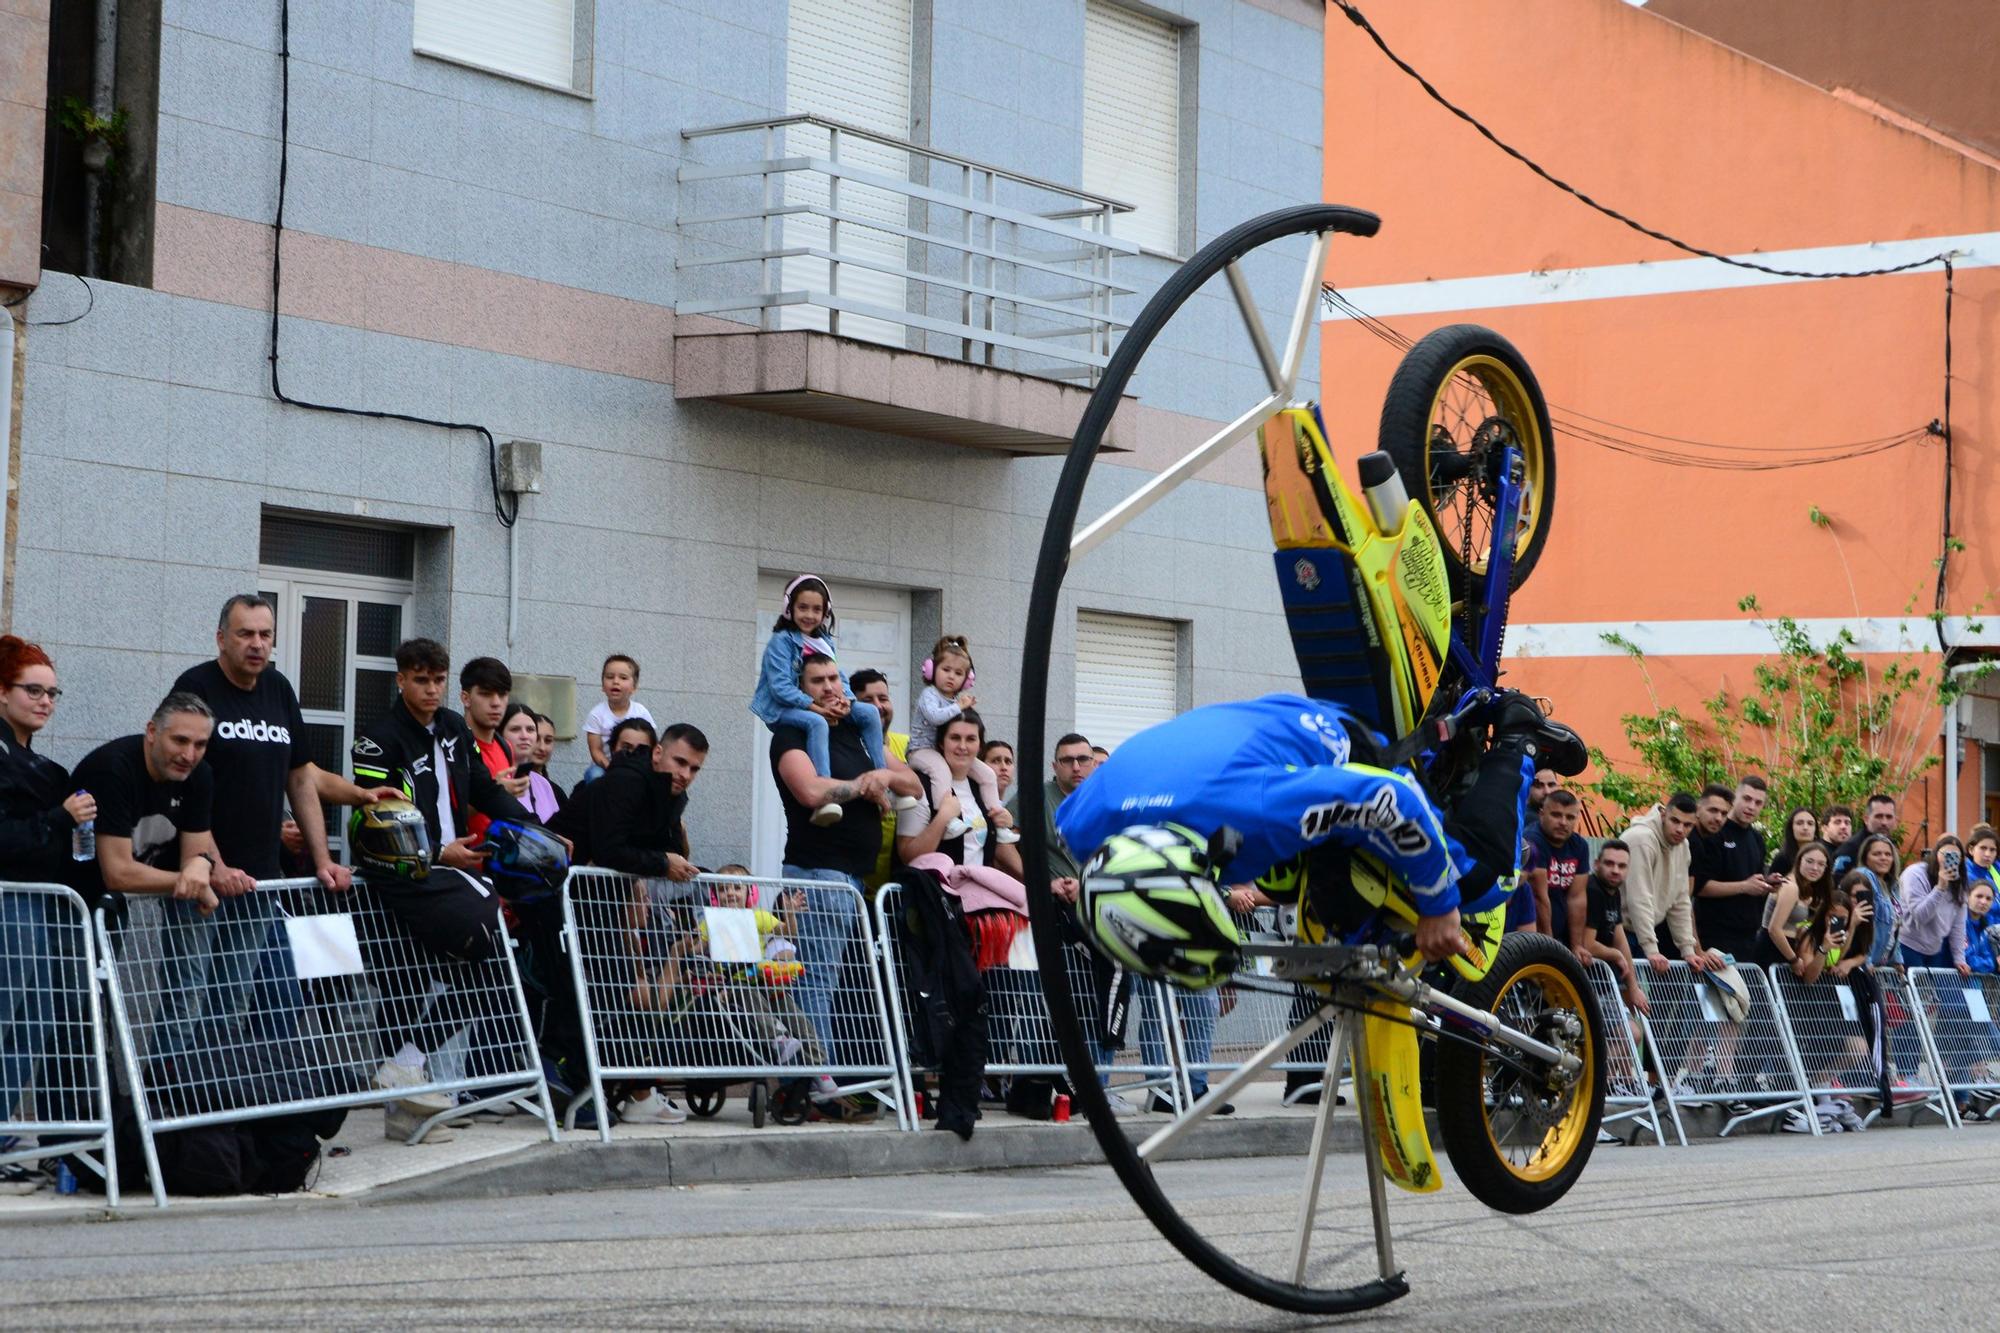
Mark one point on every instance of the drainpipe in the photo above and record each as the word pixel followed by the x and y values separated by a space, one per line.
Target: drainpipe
pixel 514 575
pixel 96 152
pixel 10 473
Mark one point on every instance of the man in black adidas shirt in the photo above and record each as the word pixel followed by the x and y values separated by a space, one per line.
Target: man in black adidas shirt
pixel 259 755
pixel 258 758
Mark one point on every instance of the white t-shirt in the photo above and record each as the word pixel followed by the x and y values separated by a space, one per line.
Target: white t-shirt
pixel 447 826
pixel 969 811
pixel 601 719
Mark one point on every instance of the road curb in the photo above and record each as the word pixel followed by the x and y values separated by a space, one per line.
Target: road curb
pixel 777 1154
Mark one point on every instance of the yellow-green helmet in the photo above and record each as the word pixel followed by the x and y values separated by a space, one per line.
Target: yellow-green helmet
pixel 1149 902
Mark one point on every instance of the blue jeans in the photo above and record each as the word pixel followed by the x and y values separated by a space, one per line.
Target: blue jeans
pixel 866 716
pixel 829 923
pixel 27 1002
pixel 228 979
pixel 1199 1010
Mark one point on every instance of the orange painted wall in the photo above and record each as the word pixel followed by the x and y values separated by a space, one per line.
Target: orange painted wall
pixel 1708 144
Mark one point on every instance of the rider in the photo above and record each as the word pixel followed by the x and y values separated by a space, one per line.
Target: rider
pixel 1296 776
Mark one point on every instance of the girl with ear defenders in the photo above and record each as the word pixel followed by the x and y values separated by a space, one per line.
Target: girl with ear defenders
pixel 947 693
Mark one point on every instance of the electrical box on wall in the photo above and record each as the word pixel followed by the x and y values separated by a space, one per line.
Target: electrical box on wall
pixel 521 468
pixel 554 697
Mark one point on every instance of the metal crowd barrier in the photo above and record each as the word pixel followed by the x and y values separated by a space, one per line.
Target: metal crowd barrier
pixel 1219 1030
pixel 1627 1096
pixel 670 984
pixel 289 999
pixel 1962 1015
pixel 1836 1057
pixel 1021 1038
pixel 1706 1058
pixel 54 1083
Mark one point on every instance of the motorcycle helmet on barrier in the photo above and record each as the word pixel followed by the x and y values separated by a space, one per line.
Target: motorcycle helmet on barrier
pixel 524 859
pixel 389 838
pixel 1149 902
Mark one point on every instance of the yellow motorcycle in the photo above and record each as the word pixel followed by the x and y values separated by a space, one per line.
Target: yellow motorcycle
pixel 1396 596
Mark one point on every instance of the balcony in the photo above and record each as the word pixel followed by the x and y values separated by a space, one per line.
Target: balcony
pixel 844 276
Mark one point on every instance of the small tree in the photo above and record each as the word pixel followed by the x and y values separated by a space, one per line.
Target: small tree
pixel 1819 724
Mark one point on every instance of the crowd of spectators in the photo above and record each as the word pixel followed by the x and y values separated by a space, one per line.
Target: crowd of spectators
pixel 1693 879
pixel 219 791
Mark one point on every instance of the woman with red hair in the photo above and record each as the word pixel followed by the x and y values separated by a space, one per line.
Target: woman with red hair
pixel 38 813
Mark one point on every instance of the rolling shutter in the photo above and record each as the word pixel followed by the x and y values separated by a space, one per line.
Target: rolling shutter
pixel 1127 675
pixel 1132 120
pixel 530 39
pixel 849 60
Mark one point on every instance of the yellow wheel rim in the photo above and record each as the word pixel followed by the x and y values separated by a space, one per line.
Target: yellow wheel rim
pixel 1479 389
pixel 1530 1158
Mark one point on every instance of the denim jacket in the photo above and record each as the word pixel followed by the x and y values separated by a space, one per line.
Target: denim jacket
pixel 778 678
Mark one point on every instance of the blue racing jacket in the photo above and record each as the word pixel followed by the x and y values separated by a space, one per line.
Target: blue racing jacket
pixel 1279 770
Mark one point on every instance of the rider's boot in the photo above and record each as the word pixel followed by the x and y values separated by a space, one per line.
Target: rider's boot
pixel 1521 728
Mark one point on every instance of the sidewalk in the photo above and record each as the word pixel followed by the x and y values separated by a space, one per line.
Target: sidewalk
pixel 515 1157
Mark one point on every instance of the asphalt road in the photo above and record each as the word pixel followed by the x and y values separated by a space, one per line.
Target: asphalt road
pixel 1760 1234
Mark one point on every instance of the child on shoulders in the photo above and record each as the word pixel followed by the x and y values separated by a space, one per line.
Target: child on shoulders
pixel 807 624
pixel 947 674
pixel 619 678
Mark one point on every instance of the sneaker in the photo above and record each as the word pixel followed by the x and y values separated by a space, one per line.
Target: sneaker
pixel 488 1114
pixel 655 1108
pixel 1904 1095
pixel 955 829
pixel 1121 1105
pixel 1160 1105
pixel 392 1076
pixel 858 1109
pixel 1830 1123
pixel 19 1178
pixel 828 815
pixel 1605 1136
pixel 1797 1122
pixel 824 1089
pixel 1006 836
pixel 399 1122
pixel 1850 1119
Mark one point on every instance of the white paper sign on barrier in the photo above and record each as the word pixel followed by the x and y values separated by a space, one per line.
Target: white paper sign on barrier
pixel 732 934
pixel 1846 998
pixel 1975 1004
pixel 1711 1008
pixel 324 945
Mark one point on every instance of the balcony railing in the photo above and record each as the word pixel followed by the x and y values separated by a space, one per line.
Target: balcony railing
pixel 801 222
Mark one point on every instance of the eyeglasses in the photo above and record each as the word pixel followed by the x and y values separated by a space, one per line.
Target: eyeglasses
pixel 49 692
pixel 1073 758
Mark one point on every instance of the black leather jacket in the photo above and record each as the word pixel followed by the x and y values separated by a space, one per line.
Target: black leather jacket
pixel 397 752
pixel 34 828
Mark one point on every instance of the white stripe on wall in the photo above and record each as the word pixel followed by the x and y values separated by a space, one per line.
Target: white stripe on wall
pixel 1661 278
pixel 1741 638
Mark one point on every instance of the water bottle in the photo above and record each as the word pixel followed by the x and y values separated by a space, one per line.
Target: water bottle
pixel 65 1178
pixel 83 840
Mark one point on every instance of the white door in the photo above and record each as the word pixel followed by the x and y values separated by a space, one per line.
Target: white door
pixel 848 60
pixel 874 631
pixel 337 645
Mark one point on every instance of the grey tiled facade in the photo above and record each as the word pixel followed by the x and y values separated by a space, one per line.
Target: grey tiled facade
pixel 151 442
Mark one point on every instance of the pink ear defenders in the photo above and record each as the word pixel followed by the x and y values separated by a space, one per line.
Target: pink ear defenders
pixel 930 672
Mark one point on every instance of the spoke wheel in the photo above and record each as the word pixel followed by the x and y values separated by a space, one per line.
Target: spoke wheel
pixel 1263 1255
pixel 1460 396
pixel 1517 1137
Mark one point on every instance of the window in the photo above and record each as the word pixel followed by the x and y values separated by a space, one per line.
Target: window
pixel 542 41
pixel 344 595
pixel 1132 120
pixel 1128 674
